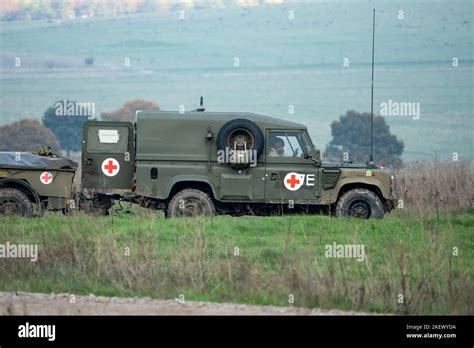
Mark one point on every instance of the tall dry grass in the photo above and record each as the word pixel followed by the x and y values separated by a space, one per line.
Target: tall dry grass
pixel 446 187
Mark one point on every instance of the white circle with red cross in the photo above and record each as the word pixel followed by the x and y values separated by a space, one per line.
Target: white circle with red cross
pixel 110 167
pixel 46 178
pixel 293 181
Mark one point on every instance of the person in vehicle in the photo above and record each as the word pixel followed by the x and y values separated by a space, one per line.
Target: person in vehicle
pixel 278 148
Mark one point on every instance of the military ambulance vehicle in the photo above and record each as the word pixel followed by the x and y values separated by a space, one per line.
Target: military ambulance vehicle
pixel 208 163
pixel 30 184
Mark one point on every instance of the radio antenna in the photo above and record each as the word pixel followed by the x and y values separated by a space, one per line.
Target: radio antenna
pixel 372 95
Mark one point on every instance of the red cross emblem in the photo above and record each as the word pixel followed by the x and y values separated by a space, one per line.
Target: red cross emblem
pixel 110 167
pixel 293 181
pixel 46 178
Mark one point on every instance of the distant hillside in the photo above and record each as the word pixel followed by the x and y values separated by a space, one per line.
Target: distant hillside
pixel 11 10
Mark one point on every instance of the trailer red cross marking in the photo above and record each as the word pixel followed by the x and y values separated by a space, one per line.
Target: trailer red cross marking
pixel 110 167
pixel 46 178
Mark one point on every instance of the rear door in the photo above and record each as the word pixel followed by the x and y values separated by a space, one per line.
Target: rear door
pixel 108 155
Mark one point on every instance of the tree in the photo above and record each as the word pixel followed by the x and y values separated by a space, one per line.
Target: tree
pixel 128 110
pixel 351 137
pixel 26 135
pixel 89 60
pixel 68 129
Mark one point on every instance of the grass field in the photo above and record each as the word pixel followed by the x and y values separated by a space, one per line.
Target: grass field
pixel 252 260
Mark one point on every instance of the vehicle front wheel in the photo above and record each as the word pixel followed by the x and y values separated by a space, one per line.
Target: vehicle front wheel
pixel 360 203
pixel 15 202
pixel 190 203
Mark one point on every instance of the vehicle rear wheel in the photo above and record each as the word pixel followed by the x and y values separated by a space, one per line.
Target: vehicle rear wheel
pixel 360 203
pixel 15 202
pixel 190 203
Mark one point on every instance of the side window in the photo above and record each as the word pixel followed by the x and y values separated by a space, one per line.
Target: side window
pixel 107 139
pixel 286 143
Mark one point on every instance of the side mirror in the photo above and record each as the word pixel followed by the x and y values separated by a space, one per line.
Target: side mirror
pixel 307 152
pixel 318 155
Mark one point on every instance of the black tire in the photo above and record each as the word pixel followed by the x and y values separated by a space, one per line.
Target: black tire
pixel 360 203
pixel 190 203
pixel 241 129
pixel 15 202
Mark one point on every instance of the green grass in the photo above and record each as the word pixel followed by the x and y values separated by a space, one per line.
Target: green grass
pixel 278 256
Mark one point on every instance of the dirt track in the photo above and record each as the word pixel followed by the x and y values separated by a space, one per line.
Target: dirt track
pixel 21 303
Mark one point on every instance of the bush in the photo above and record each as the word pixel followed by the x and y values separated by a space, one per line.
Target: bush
pixel 26 135
pixel 128 110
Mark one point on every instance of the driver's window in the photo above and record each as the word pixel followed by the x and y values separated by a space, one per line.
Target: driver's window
pixel 286 144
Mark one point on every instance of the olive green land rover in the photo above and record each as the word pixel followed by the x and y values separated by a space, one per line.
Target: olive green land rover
pixel 208 163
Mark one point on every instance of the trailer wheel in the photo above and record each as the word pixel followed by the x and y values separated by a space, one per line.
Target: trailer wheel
pixel 15 202
pixel 360 203
pixel 190 203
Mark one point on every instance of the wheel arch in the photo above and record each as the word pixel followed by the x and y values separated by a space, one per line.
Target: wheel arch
pixel 190 181
pixel 346 185
pixel 24 187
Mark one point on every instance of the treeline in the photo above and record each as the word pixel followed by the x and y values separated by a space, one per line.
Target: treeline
pixel 58 9
pixel 61 129
pixel 11 10
pixel 63 133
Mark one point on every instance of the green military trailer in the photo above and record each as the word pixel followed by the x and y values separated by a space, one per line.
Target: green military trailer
pixel 31 184
pixel 208 163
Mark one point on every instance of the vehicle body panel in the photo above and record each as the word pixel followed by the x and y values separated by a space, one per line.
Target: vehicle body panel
pixel 379 179
pixel 108 146
pixel 61 185
pixel 26 173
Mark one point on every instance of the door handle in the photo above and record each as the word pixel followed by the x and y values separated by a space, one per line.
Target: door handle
pixel 273 176
pixel 89 161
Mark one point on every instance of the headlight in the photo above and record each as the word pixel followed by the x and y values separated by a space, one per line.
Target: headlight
pixel 392 182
